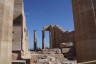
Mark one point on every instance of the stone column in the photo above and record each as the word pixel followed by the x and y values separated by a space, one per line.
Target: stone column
pixel 35 40
pixel 43 36
pixel 50 39
pixel 6 24
pixel 25 54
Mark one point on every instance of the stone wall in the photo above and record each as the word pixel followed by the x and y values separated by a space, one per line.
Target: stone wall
pixel 35 58
pixel 85 26
pixel 20 33
pixel 6 21
pixel 16 55
pixel 17 25
pixel 16 38
pixel 62 36
pixel 58 35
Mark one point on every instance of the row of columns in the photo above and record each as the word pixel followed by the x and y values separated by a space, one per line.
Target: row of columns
pixel 35 39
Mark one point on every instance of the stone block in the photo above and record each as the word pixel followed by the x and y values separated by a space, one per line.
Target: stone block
pixel 65 50
pixel 51 51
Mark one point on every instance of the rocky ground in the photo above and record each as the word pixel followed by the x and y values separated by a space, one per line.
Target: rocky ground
pixel 50 56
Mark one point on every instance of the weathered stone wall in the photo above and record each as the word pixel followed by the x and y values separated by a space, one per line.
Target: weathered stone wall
pixel 17 38
pixel 12 23
pixel 62 36
pixel 20 34
pixel 16 55
pixel 17 25
pixel 6 21
pixel 18 7
pixel 25 43
pixel 25 48
pixel 85 26
pixel 36 57
pixel 58 35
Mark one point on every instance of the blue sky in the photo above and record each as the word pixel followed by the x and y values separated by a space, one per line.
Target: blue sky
pixel 40 13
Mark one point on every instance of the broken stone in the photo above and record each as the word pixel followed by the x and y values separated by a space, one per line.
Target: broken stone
pixel 46 58
pixel 65 50
pixel 67 44
pixel 51 51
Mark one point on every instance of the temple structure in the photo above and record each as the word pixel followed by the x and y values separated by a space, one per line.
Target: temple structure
pixel 65 46
pixel 58 35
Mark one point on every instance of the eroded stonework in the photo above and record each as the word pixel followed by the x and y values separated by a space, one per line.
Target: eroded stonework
pixel 58 35
pixel 6 21
pixel 85 29
pixel 14 36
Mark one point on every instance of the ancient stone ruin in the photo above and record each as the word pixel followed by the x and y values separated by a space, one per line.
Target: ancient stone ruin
pixel 66 47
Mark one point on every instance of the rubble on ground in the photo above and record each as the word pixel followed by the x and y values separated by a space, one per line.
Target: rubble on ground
pixel 51 56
